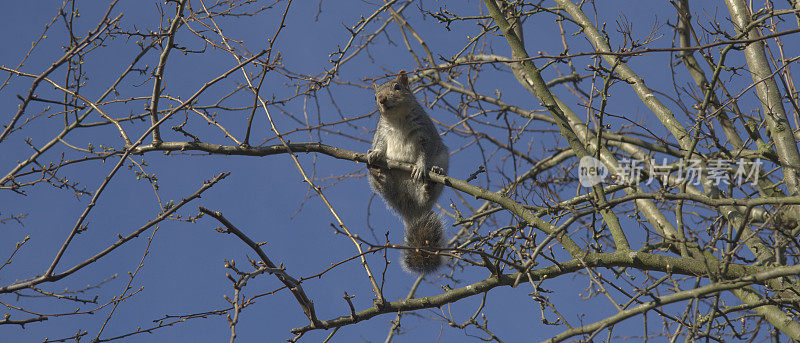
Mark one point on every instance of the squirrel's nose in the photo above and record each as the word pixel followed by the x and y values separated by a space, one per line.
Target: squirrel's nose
pixel 383 101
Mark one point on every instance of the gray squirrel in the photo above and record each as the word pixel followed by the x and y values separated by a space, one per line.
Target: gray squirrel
pixel 405 133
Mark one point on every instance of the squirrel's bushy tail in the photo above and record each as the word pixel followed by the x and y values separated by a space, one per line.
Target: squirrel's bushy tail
pixel 424 236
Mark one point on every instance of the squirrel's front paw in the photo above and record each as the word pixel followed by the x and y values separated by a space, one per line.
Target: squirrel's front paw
pixel 375 156
pixel 419 172
pixel 437 170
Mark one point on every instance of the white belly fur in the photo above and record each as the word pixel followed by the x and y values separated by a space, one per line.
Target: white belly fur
pixel 400 148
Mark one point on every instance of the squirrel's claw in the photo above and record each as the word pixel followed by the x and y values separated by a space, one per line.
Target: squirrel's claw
pixel 375 156
pixel 437 170
pixel 419 172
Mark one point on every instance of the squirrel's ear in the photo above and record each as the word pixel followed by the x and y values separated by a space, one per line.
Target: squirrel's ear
pixel 374 86
pixel 403 78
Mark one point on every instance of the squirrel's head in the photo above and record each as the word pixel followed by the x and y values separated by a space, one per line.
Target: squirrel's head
pixel 393 94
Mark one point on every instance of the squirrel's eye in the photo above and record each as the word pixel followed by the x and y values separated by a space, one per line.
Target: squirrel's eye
pixel 397 86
